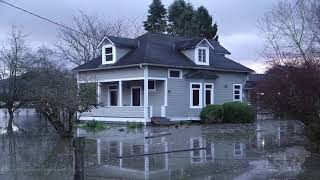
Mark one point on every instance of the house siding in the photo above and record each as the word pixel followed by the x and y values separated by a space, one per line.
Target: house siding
pixel 110 74
pixel 179 91
pixel 178 100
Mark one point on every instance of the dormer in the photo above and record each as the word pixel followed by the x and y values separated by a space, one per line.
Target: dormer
pixel 198 50
pixel 109 54
pixel 114 48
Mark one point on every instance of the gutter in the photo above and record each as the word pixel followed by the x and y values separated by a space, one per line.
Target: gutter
pixel 159 65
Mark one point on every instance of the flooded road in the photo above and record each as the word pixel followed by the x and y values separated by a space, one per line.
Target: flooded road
pixel 269 149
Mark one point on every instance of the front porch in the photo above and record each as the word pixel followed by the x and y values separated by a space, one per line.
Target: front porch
pixel 134 100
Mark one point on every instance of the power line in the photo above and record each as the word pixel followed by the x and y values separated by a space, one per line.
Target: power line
pixel 44 18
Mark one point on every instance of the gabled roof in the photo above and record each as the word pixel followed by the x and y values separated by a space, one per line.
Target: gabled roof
pixel 160 50
pixel 193 43
pixel 121 41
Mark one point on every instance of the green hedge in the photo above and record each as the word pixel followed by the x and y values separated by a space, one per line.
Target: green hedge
pixel 212 114
pixel 237 112
pixel 233 112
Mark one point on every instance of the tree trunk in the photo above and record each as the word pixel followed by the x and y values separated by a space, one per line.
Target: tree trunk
pixel 79 145
pixel 10 122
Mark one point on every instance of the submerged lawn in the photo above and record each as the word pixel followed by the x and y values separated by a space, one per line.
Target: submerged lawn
pixel 263 150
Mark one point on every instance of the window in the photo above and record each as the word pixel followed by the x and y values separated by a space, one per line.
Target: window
pixel 196 95
pixel 208 94
pixel 108 54
pixel 175 73
pixel 237 92
pixel 152 85
pixel 202 55
pixel 113 95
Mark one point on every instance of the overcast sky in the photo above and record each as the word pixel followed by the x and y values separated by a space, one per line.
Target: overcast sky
pixel 237 21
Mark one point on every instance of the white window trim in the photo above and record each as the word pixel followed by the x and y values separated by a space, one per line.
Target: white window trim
pixel 197 55
pixel 114 54
pixel 109 97
pixel 155 86
pixel 241 150
pixel 131 97
pixel 236 100
pixel 205 94
pixel 200 95
pixel 180 70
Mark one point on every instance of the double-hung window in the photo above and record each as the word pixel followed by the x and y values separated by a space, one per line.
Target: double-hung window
pixel 108 54
pixel 237 92
pixel 196 95
pixel 208 94
pixel 202 56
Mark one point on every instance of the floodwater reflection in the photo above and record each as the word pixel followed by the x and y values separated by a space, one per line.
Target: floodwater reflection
pixel 264 150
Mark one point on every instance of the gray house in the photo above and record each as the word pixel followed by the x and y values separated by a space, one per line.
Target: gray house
pixel 157 75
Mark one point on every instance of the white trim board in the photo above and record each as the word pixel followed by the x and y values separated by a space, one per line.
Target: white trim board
pixel 111 119
pixel 126 79
pixel 200 95
pixel 180 70
pixel 105 37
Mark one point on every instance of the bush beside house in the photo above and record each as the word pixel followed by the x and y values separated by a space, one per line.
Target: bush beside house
pixel 232 112
pixel 212 114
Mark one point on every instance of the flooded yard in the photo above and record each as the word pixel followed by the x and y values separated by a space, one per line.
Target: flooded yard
pixel 268 149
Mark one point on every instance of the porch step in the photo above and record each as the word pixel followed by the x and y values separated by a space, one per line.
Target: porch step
pixel 161 121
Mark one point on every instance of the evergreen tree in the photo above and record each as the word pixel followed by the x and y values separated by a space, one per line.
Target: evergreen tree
pixel 156 21
pixel 185 21
pixel 203 24
pixel 180 17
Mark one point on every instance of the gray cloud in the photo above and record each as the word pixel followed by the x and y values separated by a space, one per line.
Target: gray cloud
pixel 237 20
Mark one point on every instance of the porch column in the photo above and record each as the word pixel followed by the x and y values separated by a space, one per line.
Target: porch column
pixel 166 92
pixel 98 92
pixel 120 93
pixel 145 93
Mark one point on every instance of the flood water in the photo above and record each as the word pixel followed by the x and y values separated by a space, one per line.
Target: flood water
pixel 268 149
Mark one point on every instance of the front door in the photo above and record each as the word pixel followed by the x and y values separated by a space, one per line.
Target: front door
pixel 136 96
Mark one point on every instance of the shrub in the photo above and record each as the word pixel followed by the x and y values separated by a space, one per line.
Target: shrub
pixel 135 125
pixel 237 112
pixel 212 114
pixel 93 126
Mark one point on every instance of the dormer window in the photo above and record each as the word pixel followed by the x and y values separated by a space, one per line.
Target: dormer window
pixel 108 54
pixel 202 55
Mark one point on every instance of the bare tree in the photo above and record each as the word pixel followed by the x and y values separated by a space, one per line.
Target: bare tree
pixel 291 87
pixel 14 57
pixel 57 98
pixel 290 37
pixel 81 46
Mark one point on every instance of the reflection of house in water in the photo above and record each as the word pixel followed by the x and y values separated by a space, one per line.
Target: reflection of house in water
pixel 223 154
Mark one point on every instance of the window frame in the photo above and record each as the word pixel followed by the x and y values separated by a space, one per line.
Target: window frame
pixel 240 93
pixel 200 95
pixel 180 71
pixel 155 85
pixel 104 59
pixel 197 60
pixel 205 93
